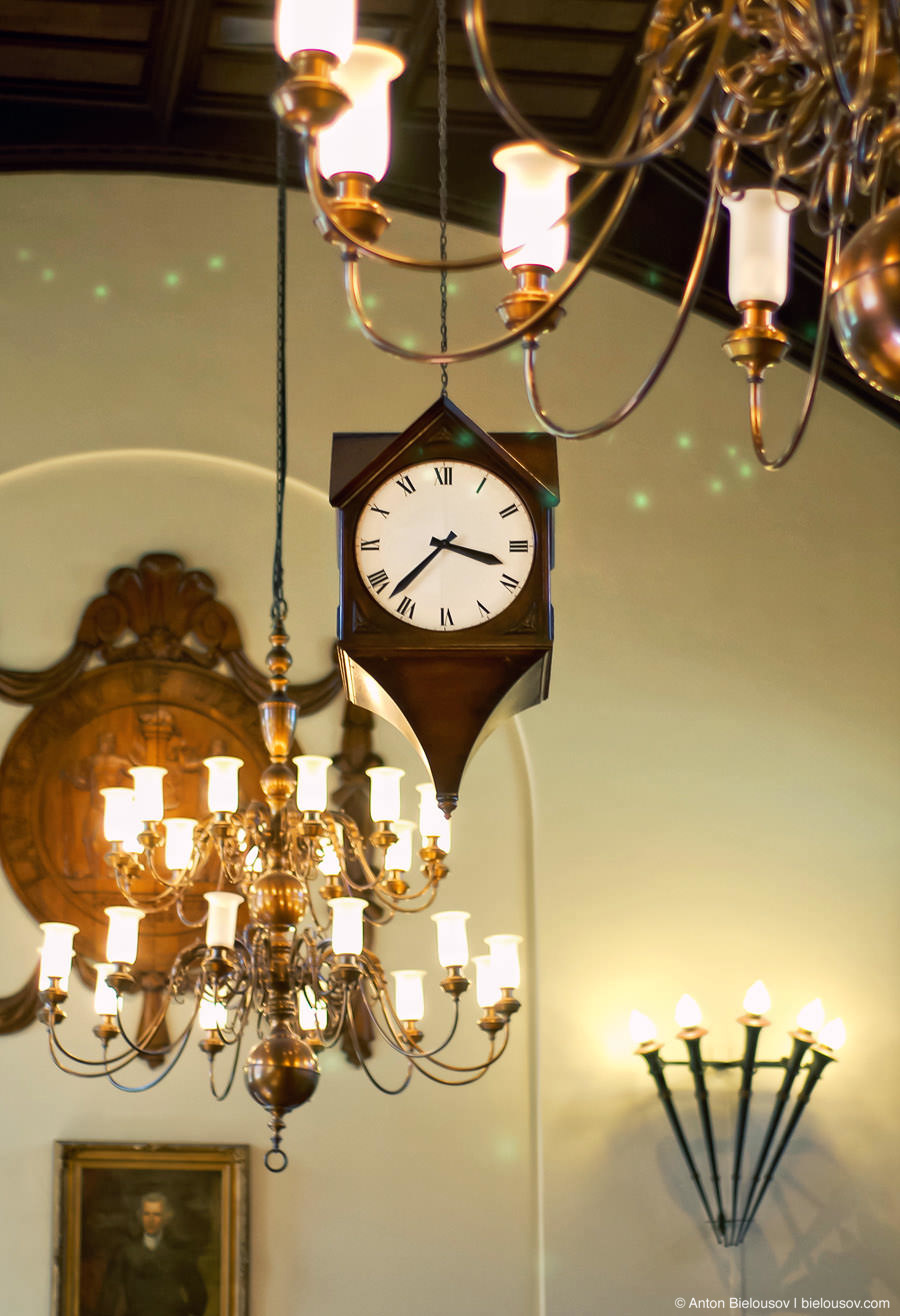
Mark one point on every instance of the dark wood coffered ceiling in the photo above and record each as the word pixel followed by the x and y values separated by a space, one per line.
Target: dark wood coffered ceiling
pixel 182 86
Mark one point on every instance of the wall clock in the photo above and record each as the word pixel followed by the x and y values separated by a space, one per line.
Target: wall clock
pixel 445 625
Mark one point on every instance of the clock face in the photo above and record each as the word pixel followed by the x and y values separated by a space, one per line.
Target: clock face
pixel 444 546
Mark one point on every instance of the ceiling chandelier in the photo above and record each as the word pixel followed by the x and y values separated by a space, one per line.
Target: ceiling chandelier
pixel 802 92
pixel 298 969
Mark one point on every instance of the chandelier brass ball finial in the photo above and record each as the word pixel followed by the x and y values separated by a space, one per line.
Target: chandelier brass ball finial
pixel 865 301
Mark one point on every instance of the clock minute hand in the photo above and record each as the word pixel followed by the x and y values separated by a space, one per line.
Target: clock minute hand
pixel 474 553
pixel 411 575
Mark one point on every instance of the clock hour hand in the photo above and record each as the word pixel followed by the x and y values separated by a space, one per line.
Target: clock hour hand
pixel 411 575
pixel 474 553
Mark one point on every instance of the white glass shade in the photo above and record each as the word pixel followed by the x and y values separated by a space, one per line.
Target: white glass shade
pixel 812 1017
pixel 409 996
pixel 505 954
pixel 759 254
pixel 384 797
pixel 347 925
pixel 688 1013
pixel 329 864
pixel 312 782
pixel 179 842
pixel 398 856
pixel 833 1035
pixel 148 793
pixel 56 954
pixel 642 1028
pixel 212 1014
pixel 453 945
pixel 104 995
pixel 535 197
pixel 221 917
pixel 359 141
pixel 487 989
pixel 431 821
pixel 757 1000
pixel 311 1016
pixel 328 25
pixel 122 937
pixel 119 822
pixel 222 784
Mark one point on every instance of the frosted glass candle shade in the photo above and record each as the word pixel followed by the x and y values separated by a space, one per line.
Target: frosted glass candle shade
pixel 212 1015
pixel 179 843
pixel 148 793
pixel 535 197
pixel 688 1013
pixel 330 864
pixel 222 784
pixel 760 245
pixel 398 856
pixel 311 1017
pixel 409 997
pixel 505 954
pixel 56 954
pixel 221 917
pixel 104 995
pixel 812 1017
pixel 757 1000
pixel 487 989
pixel 347 925
pixel 833 1035
pixel 327 25
pixel 642 1028
pixel 384 797
pixel 312 782
pixel 359 141
pixel 453 945
pixel 122 937
pixel 431 821
pixel 118 813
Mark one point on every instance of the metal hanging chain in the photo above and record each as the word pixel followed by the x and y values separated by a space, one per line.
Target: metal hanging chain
pixel 442 170
pixel 279 604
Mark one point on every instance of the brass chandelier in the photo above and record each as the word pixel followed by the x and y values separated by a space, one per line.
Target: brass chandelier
pixel 805 90
pixel 298 969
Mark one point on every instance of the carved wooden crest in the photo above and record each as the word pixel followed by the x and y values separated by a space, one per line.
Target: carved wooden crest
pixel 138 685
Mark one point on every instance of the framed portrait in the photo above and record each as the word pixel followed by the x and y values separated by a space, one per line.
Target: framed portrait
pixel 150 1229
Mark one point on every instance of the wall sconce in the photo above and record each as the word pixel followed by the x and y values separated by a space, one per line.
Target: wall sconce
pixel 809 1034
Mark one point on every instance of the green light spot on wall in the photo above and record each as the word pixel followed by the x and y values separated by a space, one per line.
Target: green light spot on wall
pixel 23 254
pixel 452 287
pixel 809 331
pixel 101 292
pixel 172 279
pixel 351 322
pixel 370 301
pixel 716 486
pixel 745 471
pixel 215 263
pixel 409 343
pixel 685 441
pixel 47 276
pixel 732 452
pixel 640 501
pixel 652 278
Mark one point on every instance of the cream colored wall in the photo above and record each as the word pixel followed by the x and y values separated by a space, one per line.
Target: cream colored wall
pixel 710 795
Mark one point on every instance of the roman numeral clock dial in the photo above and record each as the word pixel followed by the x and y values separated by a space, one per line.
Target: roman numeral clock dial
pixel 444 546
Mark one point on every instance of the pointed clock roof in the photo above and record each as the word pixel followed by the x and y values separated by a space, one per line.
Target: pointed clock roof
pixel 359 461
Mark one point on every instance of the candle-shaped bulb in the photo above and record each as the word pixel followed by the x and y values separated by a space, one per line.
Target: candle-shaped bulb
pixel 222 784
pixel 347 925
pixel 119 822
pixel 535 199
pixel 811 1018
pixel 409 996
pixel 760 247
pixel 179 843
pixel 642 1028
pixel 56 954
pixel 149 805
pixel 104 995
pixel 221 917
pixel 688 1013
pixel 384 800
pixel 212 1014
pixel 359 142
pixel 398 855
pixel 122 937
pixel 757 1000
pixel 312 1016
pixel 432 822
pixel 453 945
pixel 314 25
pixel 330 864
pixel 312 782
pixel 505 954
pixel 487 988
pixel 833 1035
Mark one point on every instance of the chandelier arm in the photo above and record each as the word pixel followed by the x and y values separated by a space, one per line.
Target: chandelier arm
pixel 87 1068
pixel 154 1082
pixel 415 1054
pixel 220 1096
pixel 394 1030
pixel 688 299
pixel 473 1072
pixel 326 216
pixel 162 900
pixel 855 99
pixel 527 328
pixel 649 62
pixel 360 1059
pixel 140 1046
pixel 815 374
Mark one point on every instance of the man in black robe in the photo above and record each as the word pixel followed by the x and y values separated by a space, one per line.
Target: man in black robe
pixel 149 1276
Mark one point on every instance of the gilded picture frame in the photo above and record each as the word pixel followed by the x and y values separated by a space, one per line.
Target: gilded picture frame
pixel 159 1228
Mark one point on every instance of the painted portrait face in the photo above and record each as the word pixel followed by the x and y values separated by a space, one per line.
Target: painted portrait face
pixel 152 1212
